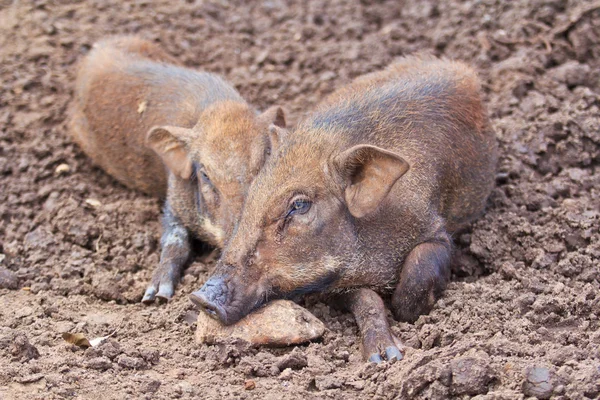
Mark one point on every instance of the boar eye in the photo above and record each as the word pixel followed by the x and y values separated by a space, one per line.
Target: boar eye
pixel 299 206
pixel 205 177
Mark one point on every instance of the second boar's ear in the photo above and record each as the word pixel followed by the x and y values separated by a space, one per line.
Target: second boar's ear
pixel 169 142
pixel 274 118
pixel 273 115
pixel 369 173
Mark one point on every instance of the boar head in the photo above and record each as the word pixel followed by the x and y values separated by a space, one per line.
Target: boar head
pixel 300 228
pixel 216 161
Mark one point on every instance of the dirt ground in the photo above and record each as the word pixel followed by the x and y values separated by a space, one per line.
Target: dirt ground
pixel 521 315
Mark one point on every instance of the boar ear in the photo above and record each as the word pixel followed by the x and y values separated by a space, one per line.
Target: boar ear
pixel 169 142
pixel 276 135
pixel 273 116
pixel 369 173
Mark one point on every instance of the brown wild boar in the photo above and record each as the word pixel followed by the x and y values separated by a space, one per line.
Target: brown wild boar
pixel 363 197
pixel 172 132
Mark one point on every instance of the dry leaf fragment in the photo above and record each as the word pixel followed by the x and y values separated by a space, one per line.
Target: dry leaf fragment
pixel 96 341
pixel 78 339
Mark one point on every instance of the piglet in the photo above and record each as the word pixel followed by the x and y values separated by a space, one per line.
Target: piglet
pixel 172 132
pixel 362 199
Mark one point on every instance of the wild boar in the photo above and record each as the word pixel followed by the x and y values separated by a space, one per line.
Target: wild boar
pixel 171 132
pixel 363 197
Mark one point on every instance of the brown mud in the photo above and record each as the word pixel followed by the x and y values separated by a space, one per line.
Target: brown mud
pixel 521 315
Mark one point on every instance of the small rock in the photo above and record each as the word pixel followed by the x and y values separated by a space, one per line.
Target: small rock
pixel 110 349
pixel 99 363
pixel 279 323
pixel 151 356
pixel 571 73
pixel 470 376
pixel 356 385
pixel 538 382
pixel 286 374
pixel 93 203
pixel 250 385
pixel 328 382
pixel 19 347
pixel 39 238
pixel 150 386
pixel 294 360
pixel 108 291
pixel 508 271
pixel 30 378
pixel 128 362
pixel 8 279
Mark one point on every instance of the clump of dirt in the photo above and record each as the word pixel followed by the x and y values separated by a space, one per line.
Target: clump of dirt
pixel 521 315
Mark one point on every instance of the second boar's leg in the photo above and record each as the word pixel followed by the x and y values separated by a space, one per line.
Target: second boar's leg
pixel 175 243
pixel 423 278
pixel 369 311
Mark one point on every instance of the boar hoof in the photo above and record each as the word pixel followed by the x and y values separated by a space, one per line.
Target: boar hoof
pixel 375 358
pixel 392 353
pixel 163 294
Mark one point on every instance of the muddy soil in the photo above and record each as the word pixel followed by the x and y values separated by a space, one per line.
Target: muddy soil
pixel 521 316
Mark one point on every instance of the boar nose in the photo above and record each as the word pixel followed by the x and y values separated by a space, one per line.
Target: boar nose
pixel 211 297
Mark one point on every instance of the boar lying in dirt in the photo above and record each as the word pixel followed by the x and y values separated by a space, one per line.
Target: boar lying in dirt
pixel 363 197
pixel 175 133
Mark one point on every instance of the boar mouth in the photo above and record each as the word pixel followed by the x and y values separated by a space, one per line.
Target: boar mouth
pixel 213 310
pixel 221 301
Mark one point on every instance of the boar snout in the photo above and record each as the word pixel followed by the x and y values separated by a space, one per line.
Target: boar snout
pixel 227 298
pixel 210 297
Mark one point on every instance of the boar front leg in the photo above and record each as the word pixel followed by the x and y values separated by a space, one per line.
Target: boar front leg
pixel 175 243
pixel 423 278
pixel 369 311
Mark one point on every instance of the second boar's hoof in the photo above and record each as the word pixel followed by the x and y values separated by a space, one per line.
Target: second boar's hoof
pixel 165 292
pixel 369 311
pixel 422 280
pixel 162 286
pixel 391 353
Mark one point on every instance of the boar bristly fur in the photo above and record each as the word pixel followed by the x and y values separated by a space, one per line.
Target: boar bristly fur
pixel 172 132
pixel 364 196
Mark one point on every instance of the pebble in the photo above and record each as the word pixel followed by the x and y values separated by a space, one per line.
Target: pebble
pixel 99 363
pixel 279 323
pixel 8 279
pixel 129 362
pixel 538 382
pixel 294 360
pixel 470 376
pixel 572 73
pixel 19 347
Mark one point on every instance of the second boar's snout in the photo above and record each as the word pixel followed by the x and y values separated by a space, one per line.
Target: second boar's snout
pixel 211 298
